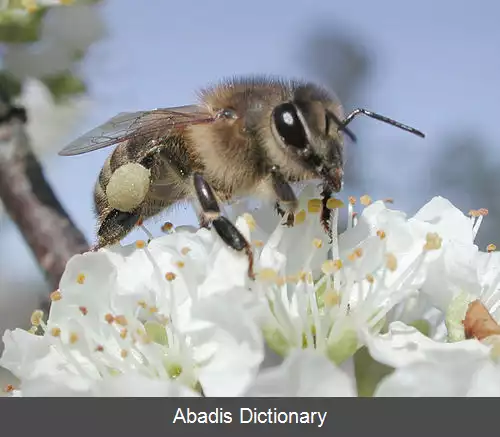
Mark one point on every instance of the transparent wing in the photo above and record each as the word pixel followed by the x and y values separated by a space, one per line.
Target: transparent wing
pixel 127 125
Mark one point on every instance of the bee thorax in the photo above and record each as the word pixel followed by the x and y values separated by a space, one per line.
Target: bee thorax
pixel 128 186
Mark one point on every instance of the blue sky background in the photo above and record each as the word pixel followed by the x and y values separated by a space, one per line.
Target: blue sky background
pixel 436 66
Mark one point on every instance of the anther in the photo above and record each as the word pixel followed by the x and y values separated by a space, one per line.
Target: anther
pixel 80 279
pixel 109 318
pixel 36 317
pixel 300 217
pixel 365 200
pixel 121 320
pixel 268 274
pixel 170 276
pixel 317 243
pixel 167 227
pixel 55 332
pixel 8 388
pixel 73 338
pixel 391 262
pixel 55 296
pixel 331 266
pixel 314 206
pixel 491 247
pixel 185 250
pixel 433 241
pixel 252 224
pixel 333 203
pixel 83 310
pixel 140 244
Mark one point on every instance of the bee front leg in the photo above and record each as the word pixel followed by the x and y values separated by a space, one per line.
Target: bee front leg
pixel 228 232
pixel 285 195
pixel 326 213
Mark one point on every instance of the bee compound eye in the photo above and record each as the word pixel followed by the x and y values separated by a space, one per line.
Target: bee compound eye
pixel 289 126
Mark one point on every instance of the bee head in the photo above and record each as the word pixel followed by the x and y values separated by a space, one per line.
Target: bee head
pixel 309 129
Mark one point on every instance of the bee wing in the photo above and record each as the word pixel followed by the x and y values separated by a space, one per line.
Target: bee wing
pixel 127 125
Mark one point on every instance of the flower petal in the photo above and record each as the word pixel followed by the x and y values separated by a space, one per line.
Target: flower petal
pixel 304 373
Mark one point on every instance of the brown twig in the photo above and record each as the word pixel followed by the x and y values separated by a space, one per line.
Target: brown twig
pixel 30 201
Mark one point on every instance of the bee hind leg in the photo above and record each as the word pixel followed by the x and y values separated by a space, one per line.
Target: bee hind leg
pixel 226 230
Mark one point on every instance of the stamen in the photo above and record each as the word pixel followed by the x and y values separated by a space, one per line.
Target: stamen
pixel 146 231
pixel 83 310
pixel 251 223
pixel 55 332
pixel 491 248
pixel 170 276
pixel 73 337
pixel 167 227
pixel 109 318
pixel 37 318
pixel 314 206
pixel 140 244
pixel 365 200
pixel 80 279
pixel 121 320
pixel 331 266
pixel 180 264
pixel 300 217
pixel 55 296
pixel 8 388
pixel 433 241
pixel 317 243
pixel 381 234
pixel 391 262
pixel 185 250
pixel 333 203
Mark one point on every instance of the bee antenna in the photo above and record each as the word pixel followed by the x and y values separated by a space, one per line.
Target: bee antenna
pixel 342 125
pixel 379 117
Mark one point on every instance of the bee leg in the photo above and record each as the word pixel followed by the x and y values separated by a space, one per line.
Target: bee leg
pixel 228 232
pixel 116 226
pixel 326 213
pixel 285 194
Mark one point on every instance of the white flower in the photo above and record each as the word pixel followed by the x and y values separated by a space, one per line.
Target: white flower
pixel 49 122
pixel 426 368
pixel 304 373
pixel 178 315
pixel 381 262
pixel 130 311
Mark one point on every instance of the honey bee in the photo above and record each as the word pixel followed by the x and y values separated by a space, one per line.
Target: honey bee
pixel 246 136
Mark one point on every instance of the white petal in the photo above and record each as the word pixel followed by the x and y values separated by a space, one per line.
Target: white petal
pixel 448 221
pixel 133 384
pixel 21 352
pixel 304 373
pixel 404 345
pixel 235 343
pixel 428 379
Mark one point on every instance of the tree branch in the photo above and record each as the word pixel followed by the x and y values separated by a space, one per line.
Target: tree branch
pixel 30 202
